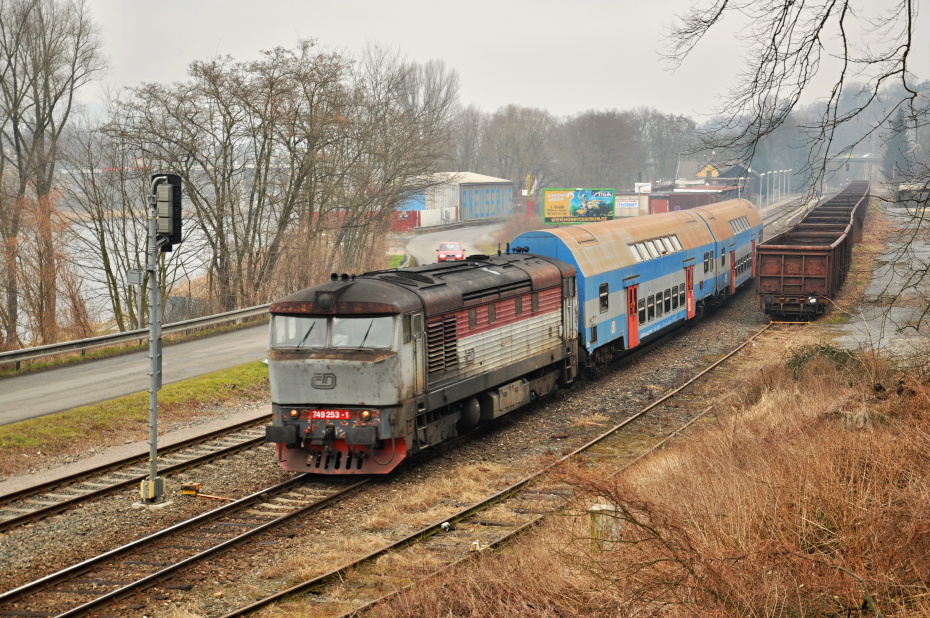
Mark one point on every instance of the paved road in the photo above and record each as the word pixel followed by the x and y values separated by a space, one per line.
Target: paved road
pixel 38 394
pixel 423 246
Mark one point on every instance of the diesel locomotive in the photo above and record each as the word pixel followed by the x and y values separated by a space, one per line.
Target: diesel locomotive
pixel 369 370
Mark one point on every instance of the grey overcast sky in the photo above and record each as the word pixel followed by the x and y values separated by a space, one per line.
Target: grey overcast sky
pixel 565 56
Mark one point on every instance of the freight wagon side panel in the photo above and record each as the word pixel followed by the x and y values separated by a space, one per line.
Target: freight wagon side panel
pixel 791 273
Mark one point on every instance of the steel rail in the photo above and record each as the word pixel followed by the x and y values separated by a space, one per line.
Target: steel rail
pixel 82 345
pixel 29 590
pixel 116 467
pixel 341 573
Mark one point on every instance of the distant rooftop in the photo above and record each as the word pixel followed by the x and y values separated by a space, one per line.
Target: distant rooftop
pixel 470 178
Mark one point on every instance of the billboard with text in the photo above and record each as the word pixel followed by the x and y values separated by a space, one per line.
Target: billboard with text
pixel 562 206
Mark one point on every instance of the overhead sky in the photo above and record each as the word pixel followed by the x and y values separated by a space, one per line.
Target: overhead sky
pixel 560 55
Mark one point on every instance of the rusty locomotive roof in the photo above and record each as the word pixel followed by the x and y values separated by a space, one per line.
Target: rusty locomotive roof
pixel 435 288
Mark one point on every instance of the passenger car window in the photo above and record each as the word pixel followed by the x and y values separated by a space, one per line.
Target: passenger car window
pixel 603 297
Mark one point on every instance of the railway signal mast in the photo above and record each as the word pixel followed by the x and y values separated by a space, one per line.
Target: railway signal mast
pixel 164 232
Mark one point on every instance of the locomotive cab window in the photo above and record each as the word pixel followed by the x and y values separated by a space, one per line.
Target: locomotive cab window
pixel 603 297
pixel 289 331
pixel 362 332
pixel 316 332
pixel 412 327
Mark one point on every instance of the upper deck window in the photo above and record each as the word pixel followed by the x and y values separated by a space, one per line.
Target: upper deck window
pixel 651 249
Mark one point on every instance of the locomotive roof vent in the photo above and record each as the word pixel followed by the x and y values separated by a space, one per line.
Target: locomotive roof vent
pixel 414 276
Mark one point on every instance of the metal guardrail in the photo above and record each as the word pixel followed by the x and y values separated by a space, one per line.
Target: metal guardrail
pixel 82 345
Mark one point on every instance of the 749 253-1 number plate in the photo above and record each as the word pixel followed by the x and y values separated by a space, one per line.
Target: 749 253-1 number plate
pixel 337 415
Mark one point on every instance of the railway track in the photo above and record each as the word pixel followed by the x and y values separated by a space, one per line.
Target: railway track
pixel 99 582
pixel 361 584
pixel 95 584
pixel 40 501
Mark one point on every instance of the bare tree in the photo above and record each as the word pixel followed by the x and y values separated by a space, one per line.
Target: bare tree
pixel 866 54
pixel 106 182
pixel 599 150
pixel 787 45
pixel 519 141
pixel 48 50
pixel 663 138
pixel 294 159
pixel 468 129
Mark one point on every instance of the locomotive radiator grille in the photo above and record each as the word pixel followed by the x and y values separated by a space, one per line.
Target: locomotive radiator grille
pixel 442 345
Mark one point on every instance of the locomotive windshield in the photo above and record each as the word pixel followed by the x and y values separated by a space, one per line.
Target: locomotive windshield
pixel 295 332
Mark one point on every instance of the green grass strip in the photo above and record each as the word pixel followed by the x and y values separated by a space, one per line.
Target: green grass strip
pixel 86 424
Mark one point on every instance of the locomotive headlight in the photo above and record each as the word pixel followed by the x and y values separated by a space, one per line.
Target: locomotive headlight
pixel 294 413
pixel 364 415
pixel 812 300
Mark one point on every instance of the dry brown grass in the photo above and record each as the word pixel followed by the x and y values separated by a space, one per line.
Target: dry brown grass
pixel 590 420
pixel 808 496
pixel 428 502
pixel 322 554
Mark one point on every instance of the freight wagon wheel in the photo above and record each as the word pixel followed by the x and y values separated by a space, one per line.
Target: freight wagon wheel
pixel 471 412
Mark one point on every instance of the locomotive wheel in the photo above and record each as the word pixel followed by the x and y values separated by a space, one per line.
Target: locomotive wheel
pixel 471 412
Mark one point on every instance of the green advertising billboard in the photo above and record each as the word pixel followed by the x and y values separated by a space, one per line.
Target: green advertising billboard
pixel 561 206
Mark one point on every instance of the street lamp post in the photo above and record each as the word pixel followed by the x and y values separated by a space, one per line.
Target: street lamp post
pixel 761 183
pixel 769 191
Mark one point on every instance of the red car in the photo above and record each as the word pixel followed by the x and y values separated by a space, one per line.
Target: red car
pixel 450 252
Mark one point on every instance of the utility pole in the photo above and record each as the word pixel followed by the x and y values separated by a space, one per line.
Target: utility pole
pixel 164 223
